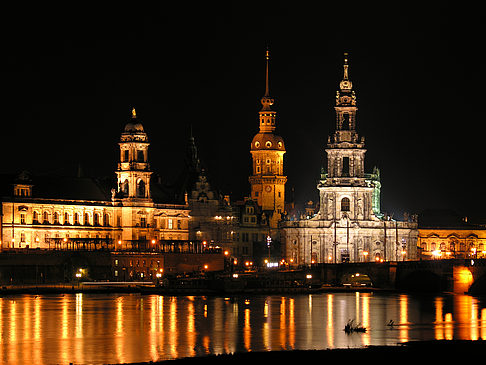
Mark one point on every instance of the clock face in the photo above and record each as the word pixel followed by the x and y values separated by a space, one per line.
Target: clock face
pixel 268 188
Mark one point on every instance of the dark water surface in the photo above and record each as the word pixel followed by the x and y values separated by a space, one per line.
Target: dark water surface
pixel 117 328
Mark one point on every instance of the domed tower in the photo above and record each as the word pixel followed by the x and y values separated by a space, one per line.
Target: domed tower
pixel 267 150
pixel 133 169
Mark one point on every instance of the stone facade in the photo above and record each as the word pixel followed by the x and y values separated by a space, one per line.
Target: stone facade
pixel 49 212
pixel 349 225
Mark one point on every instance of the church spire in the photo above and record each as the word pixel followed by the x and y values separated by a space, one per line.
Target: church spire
pixel 345 85
pixel 267 101
pixel 267 57
pixel 267 115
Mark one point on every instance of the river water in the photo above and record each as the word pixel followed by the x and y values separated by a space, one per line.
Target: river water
pixel 118 328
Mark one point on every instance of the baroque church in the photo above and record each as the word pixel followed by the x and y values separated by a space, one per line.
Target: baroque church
pixel 349 226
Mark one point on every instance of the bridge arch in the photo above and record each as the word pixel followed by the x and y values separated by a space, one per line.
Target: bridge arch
pixel 422 281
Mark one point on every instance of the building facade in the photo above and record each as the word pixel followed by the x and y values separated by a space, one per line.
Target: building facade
pixel 443 234
pixel 49 212
pixel 349 226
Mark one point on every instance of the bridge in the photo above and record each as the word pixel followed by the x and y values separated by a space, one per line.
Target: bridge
pixel 452 275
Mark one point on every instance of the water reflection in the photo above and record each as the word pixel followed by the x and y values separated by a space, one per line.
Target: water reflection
pixel 89 328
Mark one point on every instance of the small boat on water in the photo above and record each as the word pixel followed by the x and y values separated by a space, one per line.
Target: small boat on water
pixel 351 327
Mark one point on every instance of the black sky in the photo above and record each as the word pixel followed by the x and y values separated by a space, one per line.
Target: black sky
pixel 70 75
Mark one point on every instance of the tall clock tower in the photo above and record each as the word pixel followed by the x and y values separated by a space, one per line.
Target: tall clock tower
pixel 267 151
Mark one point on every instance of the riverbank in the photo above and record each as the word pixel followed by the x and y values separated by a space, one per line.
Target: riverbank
pixel 150 288
pixel 437 350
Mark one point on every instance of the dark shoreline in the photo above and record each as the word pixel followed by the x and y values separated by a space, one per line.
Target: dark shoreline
pixel 107 289
pixel 436 350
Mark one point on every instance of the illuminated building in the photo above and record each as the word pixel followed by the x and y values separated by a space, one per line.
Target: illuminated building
pixel 50 212
pixel 445 235
pixel 349 225
pixel 267 151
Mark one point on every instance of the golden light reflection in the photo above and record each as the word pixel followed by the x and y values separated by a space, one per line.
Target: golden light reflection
pixel 283 323
pixel 292 323
pixel 247 330
pixel 403 335
pixel 443 322
pixel 483 323
pixel 266 326
pixel 13 331
pixel 119 338
pixel 330 320
pixel 64 317
pixel 366 318
pixel 153 329
pixel 173 332
pixel 27 320
pixel 37 317
pixel 172 327
pixel 191 328
pixel 1 320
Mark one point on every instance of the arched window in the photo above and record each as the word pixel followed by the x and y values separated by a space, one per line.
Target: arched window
pixel 125 187
pixel 141 189
pixel 96 219
pixel 345 204
pixel 106 220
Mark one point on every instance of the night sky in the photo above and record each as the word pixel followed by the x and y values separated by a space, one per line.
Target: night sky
pixel 70 76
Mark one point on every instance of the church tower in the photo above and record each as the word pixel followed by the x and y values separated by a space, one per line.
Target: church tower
pixel 267 150
pixel 349 226
pixel 345 190
pixel 133 171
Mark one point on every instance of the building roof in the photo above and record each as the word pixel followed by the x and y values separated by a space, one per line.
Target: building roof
pixel 59 187
pixel 444 218
pixel 72 188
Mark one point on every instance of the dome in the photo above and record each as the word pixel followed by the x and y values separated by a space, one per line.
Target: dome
pixel 132 127
pixel 267 141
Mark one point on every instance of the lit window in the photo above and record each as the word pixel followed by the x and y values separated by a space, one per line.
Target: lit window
pixel 46 217
pixel 345 204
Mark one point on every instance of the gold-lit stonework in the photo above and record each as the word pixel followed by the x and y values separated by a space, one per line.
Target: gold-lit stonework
pixel 50 212
pixel 267 150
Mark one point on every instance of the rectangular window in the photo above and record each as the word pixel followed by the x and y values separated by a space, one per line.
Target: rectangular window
pixel 169 223
pixel 22 218
pixel 345 171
